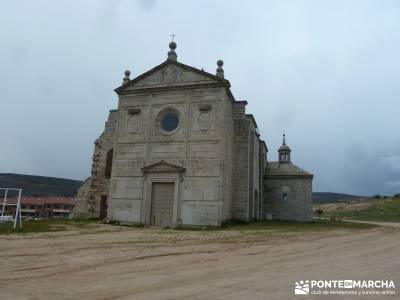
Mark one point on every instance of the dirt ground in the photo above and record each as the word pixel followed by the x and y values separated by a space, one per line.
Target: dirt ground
pixel 111 262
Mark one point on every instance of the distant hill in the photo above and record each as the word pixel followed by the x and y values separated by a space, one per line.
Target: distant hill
pixel 40 185
pixel 50 186
pixel 322 197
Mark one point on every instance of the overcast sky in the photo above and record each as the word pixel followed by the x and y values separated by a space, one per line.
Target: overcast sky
pixel 325 72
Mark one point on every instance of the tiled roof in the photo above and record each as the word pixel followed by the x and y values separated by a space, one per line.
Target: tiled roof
pixel 275 169
pixel 42 200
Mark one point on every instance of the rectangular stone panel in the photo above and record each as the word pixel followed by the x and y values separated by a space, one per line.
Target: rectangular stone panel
pixel 169 98
pixel 128 168
pixel 126 210
pixel 130 151
pixel 127 187
pixel 200 213
pixel 203 167
pixel 167 150
pixel 201 188
pixel 127 101
pixel 204 150
pixel 214 94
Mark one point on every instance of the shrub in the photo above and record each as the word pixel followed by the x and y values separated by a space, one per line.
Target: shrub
pixel 232 222
pixel 334 218
pixel 319 212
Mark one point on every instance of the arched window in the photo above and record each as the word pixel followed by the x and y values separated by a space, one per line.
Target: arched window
pixel 109 158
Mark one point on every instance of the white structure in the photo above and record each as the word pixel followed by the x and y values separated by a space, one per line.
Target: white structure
pixel 17 216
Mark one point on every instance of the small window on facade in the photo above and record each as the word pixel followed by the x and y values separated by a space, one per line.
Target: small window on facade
pixel 285 193
pixel 285 197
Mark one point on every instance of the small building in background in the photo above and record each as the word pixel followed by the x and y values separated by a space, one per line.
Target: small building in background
pixel 288 189
pixel 42 207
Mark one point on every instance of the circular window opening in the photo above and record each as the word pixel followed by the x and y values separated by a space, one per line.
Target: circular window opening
pixel 170 121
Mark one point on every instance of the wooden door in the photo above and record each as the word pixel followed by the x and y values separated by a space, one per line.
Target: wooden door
pixel 162 202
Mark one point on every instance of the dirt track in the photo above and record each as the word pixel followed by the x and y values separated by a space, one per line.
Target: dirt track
pixel 126 263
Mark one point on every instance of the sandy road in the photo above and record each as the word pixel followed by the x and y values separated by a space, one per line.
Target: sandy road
pixel 126 263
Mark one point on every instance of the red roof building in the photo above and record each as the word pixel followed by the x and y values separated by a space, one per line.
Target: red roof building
pixel 41 207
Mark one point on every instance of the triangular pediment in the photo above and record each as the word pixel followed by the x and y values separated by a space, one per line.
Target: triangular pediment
pixel 162 167
pixel 171 73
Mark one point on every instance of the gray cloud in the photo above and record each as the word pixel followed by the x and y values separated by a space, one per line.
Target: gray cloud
pixel 392 162
pixel 324 72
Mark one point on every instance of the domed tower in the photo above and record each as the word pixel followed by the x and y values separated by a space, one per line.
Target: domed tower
pixel 284 152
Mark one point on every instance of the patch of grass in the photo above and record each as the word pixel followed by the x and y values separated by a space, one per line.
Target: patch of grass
pixel 54 225
pixel 387 210
pixel 286 226
pixel 197 228
pixel 46 225
pixel 282 226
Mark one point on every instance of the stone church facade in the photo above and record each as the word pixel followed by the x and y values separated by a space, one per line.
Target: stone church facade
pixel 180 150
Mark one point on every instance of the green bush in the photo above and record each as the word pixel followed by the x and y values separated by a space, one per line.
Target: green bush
pixel 319 212
pixel 233 222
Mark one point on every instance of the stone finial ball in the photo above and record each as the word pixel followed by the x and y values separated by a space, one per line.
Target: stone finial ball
pixel 220 63
pixel 127 73
pixel 172 45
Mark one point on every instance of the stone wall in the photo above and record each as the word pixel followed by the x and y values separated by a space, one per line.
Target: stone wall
pixel 83 207
pixel 88 204
pixel 262 168
pixel 240 172
pixel 228 162
pixel 198 145
pixel 249 155
pixel 298 204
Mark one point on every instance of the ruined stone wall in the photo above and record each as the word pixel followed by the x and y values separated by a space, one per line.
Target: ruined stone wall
pixel 297 207
pixel 88 204
pixel 82 204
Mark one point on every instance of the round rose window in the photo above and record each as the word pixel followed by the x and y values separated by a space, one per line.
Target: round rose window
pixel 169 121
